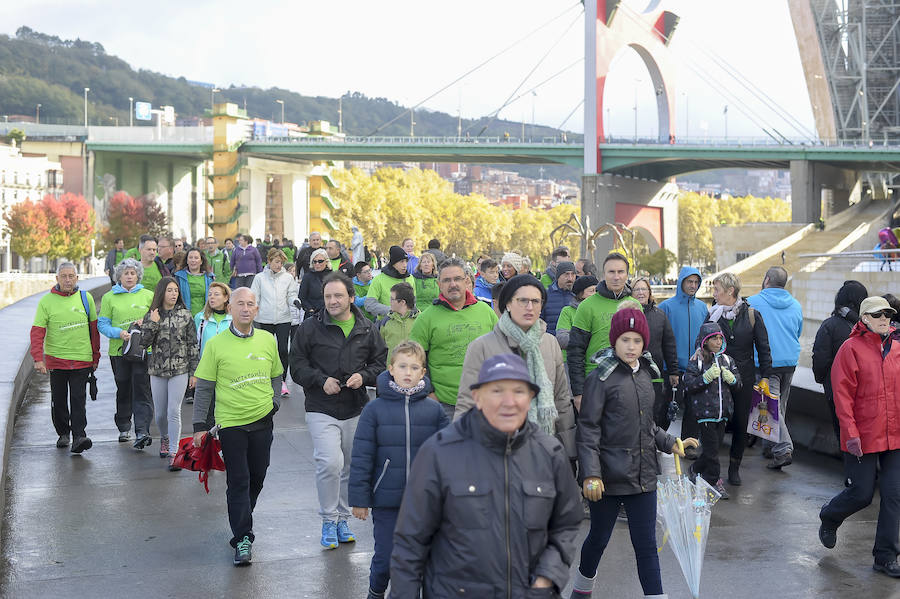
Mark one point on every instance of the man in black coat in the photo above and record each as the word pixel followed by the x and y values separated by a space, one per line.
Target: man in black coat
pixel 335 354
pixel 831 335
pixel 302 258
pixel 489 509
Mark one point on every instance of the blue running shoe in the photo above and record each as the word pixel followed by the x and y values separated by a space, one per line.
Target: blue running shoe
pixel 343 532
pixel 329 534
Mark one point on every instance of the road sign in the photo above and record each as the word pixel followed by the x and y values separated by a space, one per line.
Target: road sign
pixel 142 111
pixel 168 115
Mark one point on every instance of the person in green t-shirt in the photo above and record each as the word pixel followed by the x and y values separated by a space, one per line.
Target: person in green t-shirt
pixel 219 263
pixel 65 342
pixel 193 280
pixel 241 366
pixel 361 283
pixel 124 304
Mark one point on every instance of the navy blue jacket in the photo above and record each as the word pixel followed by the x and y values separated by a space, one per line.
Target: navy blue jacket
pixel 557 299
pixel 389 433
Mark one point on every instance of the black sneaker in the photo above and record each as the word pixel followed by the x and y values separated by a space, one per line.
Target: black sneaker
pixel 767 453
pixel 143 441
pixel 63 441
pixel 827 535
pixel 375 595
pixel 892 569
pixel 80 444
pixel 779 461
pixel 242 555
pixel 691 453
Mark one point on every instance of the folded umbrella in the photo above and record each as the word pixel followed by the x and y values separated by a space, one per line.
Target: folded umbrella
pixel 201 459
pixel 92 381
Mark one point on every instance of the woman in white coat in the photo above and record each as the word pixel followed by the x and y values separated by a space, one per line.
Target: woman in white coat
pixel 275 290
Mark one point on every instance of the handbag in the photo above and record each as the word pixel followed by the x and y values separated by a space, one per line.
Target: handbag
pixel 133 350
pixel 764 416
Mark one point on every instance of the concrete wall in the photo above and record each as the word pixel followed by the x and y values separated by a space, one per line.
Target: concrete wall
pixel 819 190
pixel 729 240
pixel 295 197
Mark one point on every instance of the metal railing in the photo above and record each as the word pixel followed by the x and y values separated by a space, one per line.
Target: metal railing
pixel 875 260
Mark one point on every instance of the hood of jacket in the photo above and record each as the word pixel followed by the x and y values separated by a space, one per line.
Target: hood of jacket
pixel 412 313
pixel 392 272
pixel 708 329
pixel 603 290
pixel 386 391
pixel 685 272
pixel 418 274
pixel 359 283
pixel 117 289
pixel 776 297
pixel 443 301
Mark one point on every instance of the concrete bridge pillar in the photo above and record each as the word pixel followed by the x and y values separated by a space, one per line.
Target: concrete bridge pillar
pixel 650 207
pixel 820 190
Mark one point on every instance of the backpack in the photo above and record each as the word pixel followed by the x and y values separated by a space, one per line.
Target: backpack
pixel 133 350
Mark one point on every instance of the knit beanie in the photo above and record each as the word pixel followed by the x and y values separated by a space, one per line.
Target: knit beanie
pixel 396 254
pixel 513 285
pixel 627 320
pixel 564 267
pixel 514 259
pixel 582 283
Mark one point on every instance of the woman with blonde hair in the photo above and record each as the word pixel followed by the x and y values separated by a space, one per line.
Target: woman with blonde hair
pixel 275 289
pixel 212 320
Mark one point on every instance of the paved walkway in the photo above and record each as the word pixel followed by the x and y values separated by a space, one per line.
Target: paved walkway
pixel 115 523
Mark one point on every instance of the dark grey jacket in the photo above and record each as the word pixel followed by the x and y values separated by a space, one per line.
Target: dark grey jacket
pixel 485 513
pixel 616 435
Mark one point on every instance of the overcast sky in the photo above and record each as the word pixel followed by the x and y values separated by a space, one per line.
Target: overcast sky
pixel 405 50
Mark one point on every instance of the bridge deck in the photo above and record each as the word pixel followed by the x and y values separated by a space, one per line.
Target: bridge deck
pixel 115 523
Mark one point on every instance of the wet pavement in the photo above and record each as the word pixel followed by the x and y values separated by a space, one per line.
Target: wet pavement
pixel 115 523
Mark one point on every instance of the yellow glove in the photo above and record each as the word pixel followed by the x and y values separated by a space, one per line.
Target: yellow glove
pixel 728 376
pixel 711 374
pixel 593 488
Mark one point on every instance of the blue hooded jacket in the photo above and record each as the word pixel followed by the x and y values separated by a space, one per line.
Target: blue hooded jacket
pixel 482 291
pixel 784 322
pixel 686 314
pixel 390 431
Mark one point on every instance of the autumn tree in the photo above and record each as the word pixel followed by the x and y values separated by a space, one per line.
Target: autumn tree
pixel 130 217
pixel 657 263
pixel 26 226
pixel 70 224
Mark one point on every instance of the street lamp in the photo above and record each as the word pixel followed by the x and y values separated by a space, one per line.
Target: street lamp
pixel 37 114
pixel 130 111
pixel 212 98
pixel 86 90
pixel 282 109
pixel 636 83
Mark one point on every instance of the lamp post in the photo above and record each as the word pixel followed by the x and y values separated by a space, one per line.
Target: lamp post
pixel 86 90
pixel 37 114
pixel 130 111
pixel 212 98
pixel 282 109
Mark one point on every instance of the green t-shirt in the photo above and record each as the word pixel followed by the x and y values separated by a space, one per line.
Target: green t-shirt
pixel 566 317
pixel 335 264
pixel 445 335
pixel 66 323
pixel 197 286
pixel 594 315
pixel 151 277
pixel 243 369
pixel 122 309
pixel 380 287
pixel 133 253
pixel 345 325
pixel 220 266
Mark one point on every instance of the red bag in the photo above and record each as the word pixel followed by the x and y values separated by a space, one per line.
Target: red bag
pixel 200 459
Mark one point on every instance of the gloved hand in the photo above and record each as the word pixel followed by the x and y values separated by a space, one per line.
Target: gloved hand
pixel 854 446
pixel 711 374
pixel 593 488
pixel 728 376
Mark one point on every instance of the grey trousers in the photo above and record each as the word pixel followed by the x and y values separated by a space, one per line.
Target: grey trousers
pixel 332 446
pixel 780 385
pixel 168 394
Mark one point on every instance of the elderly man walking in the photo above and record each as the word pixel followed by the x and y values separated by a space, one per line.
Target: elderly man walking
pixel 66 343
pixel 784 323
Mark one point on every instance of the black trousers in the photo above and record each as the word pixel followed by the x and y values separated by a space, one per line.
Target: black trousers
pixel 689 426
pixel 861 472
pixel 661 405
pixel 707 465
pixel 741 414
pixel 282 332
pixel 68 393
pixel 133 395
pixel 242 281
pixel 246 456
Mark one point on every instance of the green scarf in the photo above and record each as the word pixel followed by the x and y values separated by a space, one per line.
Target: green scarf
pixel 543 409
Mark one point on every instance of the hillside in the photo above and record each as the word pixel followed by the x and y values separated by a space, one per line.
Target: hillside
pixel 40 68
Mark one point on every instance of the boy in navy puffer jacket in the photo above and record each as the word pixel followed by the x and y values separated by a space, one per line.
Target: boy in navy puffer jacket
pixel 709 380
pixel 390 431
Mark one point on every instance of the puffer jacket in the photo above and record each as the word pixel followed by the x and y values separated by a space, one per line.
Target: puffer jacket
pixel 713 401
pixel 484 513
pixel 174 342
pixel 743 338
pixel 557 299
pixel 616 435
pixel 662 340
pixel 275 292
pixel 320 350
pixel 311 294
pixel 829 338
pixel 395 329
pixel 390 432
pixel 497 342
pixel 865 377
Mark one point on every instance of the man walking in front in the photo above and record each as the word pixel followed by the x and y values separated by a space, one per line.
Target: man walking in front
pixel 784 322
pixel 66 343
pixel 242 368
pixel 334 355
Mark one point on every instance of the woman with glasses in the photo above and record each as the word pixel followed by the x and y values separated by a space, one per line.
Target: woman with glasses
pixel 865 379
pixel 310 294
pixel 521 331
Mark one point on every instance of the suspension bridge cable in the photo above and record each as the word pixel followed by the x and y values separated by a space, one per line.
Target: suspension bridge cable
pixel 476 68
pixel 566 120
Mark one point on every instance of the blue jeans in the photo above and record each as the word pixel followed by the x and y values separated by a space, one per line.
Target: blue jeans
pixel 384 519
pixel 641 512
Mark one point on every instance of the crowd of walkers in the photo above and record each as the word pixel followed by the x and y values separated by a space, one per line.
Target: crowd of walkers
pixel 508 405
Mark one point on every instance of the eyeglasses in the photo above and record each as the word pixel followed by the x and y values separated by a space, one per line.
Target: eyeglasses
pixel 882 314
pixel 319 261
pixel 524 302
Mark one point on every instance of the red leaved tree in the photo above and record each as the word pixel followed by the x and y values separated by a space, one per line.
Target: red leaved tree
pixel 129 218
pixel 70 222
pixel 57 226
pixel 26 226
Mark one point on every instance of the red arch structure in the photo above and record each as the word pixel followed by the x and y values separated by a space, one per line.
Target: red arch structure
pixel 610 27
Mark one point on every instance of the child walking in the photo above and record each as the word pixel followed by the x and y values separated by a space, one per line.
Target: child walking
pixel 710 379
pixel 390 431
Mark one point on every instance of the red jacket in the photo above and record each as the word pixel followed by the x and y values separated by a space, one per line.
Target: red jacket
pixel 867 390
